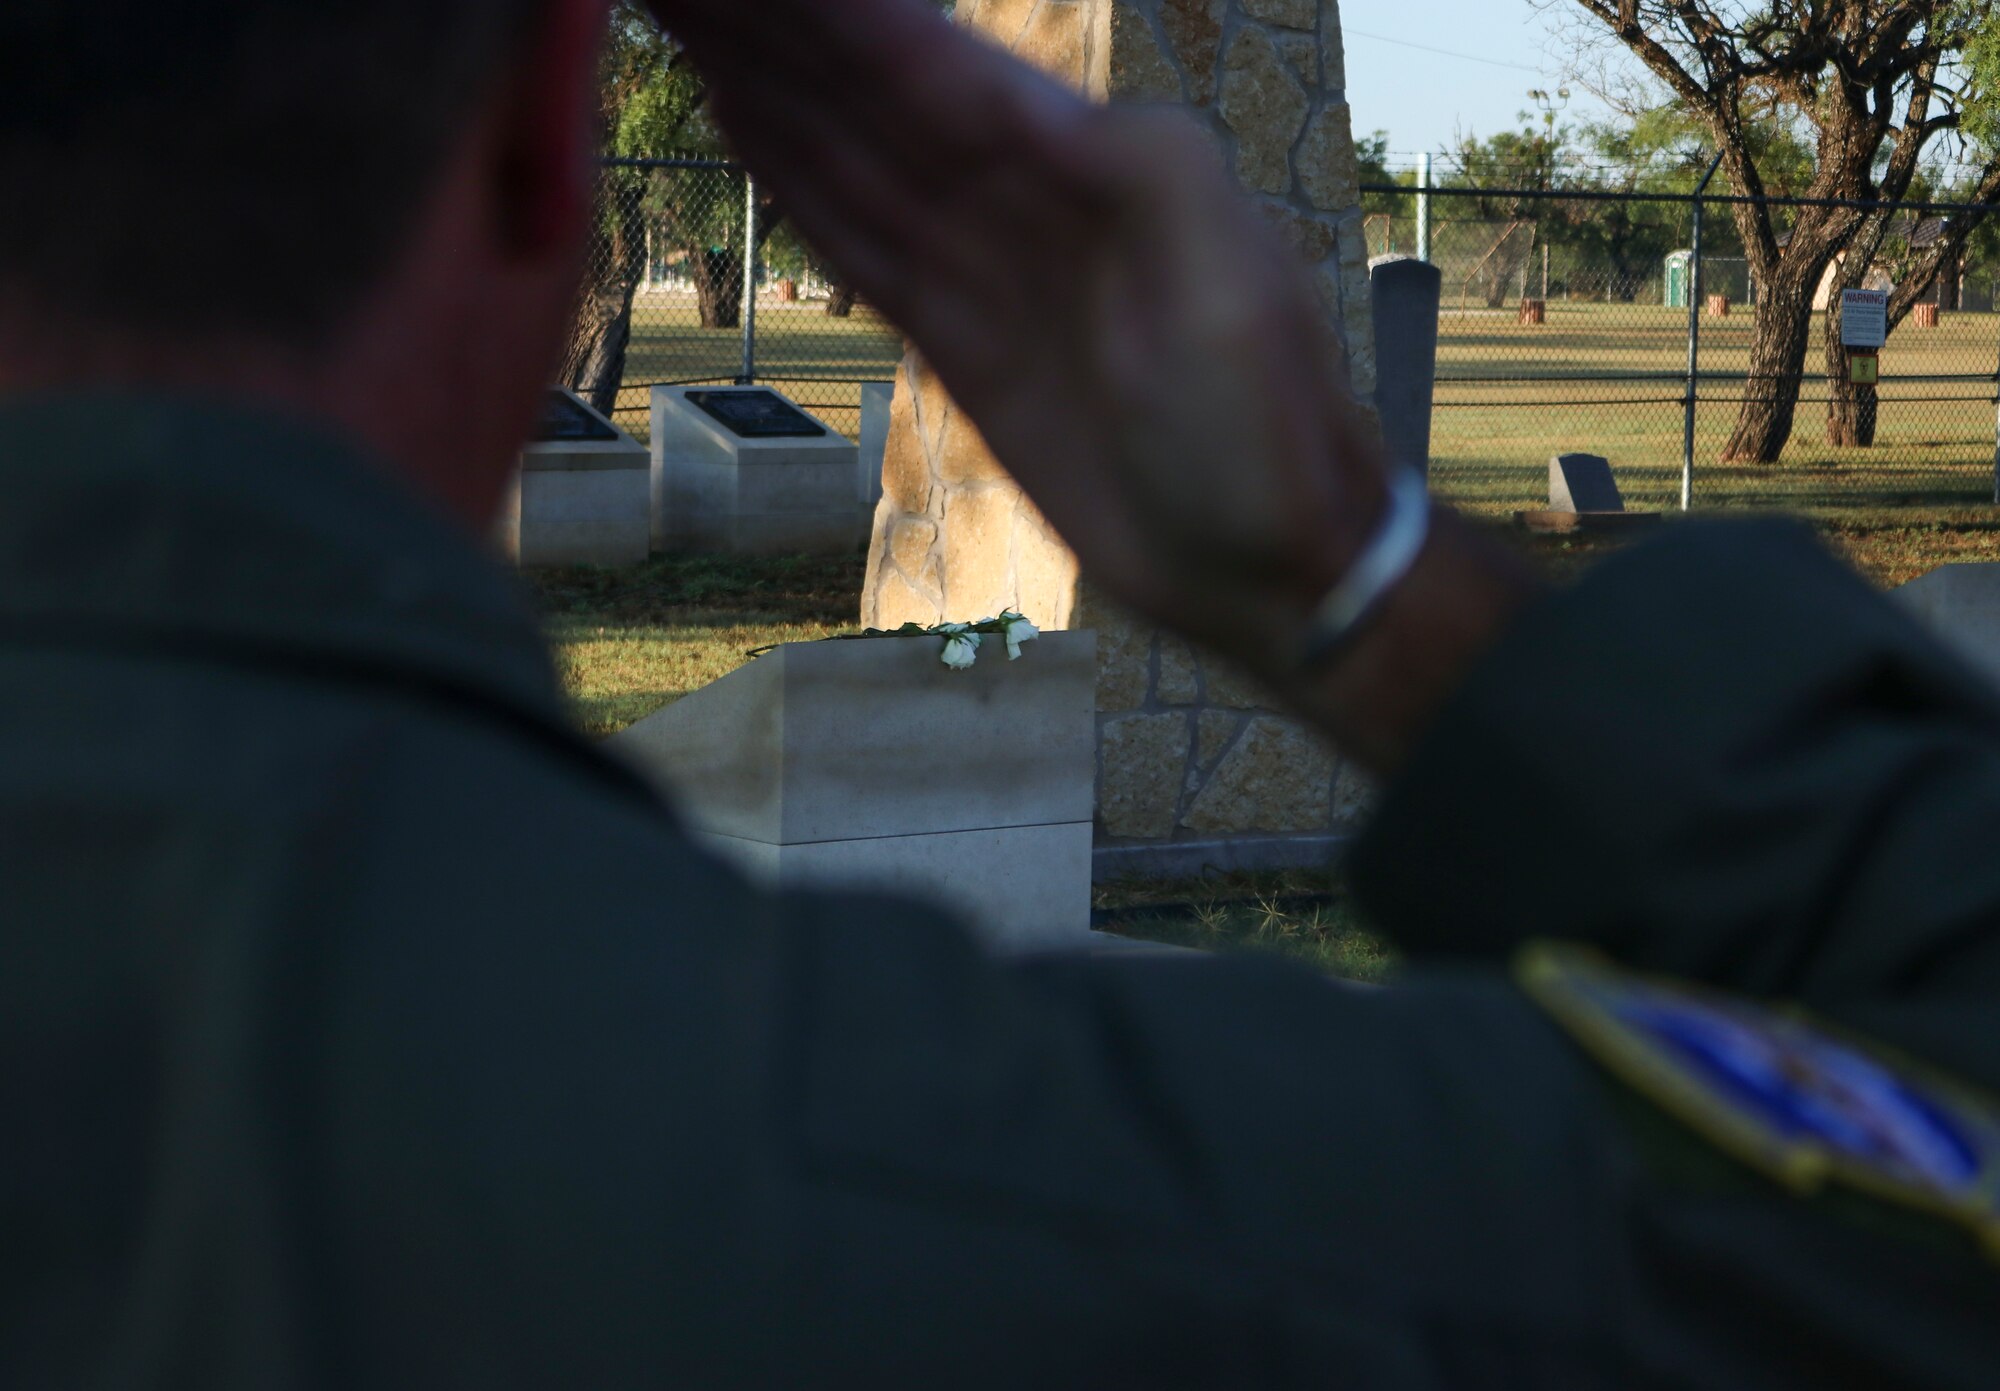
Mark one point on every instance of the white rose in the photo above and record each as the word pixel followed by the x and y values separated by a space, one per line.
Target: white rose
pixel 1019 630
pixel 961 650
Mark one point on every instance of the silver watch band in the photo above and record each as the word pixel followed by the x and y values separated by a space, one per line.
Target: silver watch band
pixel 1384 563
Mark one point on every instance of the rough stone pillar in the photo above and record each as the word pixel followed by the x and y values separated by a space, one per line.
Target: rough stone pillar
pixel 1189 753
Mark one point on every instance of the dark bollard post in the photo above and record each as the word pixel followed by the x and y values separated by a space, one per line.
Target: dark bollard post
pixel 1406 294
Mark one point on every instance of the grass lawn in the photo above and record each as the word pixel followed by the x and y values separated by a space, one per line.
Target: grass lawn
pixel 818 361
pixel 1608 378
pixel 632 641
pixel 1602 378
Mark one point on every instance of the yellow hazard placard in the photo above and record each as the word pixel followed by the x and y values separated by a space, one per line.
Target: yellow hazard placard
pixel 1864 369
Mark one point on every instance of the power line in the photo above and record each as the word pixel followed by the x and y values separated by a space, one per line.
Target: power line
pixel 1441 52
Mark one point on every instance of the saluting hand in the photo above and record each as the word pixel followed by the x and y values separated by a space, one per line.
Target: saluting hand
pixel 1139 349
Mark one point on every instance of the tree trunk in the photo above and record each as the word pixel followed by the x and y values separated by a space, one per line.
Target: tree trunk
pixel 1781 331
pixel 593 364
pixel 1851 410
pixel 840 299
pixel 1499 280
pixel 718 285
pixel 1779 337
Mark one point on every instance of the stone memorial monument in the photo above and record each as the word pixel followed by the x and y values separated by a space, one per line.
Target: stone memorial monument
pixel 1195 765
pixel 583 495
pixel 742 470
pixel 869 764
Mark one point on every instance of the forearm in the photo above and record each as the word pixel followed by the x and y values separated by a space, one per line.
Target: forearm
pixel 1721 756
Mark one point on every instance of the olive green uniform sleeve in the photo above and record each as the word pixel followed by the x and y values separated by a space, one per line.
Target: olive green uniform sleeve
pixel 1722 756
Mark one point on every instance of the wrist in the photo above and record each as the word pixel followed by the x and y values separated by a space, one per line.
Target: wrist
pixel 1372 574
pixel 1382 690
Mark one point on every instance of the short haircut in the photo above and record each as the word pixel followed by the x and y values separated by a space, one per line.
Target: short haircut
pixel 207 167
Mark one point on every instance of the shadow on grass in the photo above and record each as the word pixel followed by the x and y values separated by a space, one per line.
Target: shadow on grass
pixel 783 588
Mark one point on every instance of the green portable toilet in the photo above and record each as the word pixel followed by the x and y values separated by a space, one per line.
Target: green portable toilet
pixel 1680 276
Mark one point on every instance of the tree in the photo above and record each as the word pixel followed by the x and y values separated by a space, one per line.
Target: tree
pixel 1525 160
pixel 1649 154
pixel 1851 417
pixel 1868 83
pixel 1659 150
pixel 647 94
pixel 654 105
pixel 1371 158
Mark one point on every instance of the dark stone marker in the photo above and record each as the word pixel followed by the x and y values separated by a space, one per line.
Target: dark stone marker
pixel 1583 483
pixel 1405 294
pixel 757 415
pixel 563 419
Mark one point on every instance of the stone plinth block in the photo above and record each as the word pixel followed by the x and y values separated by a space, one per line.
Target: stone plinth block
pixel 579 501
pixel 1961 604
pixel 870 763
pixel 718 489
pixel 1583 483
pixel 878 399
pixel 1022 888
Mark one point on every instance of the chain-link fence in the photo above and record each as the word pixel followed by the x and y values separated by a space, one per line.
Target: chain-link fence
pixel 1566 325
pixel 667 299
pixel 1585 323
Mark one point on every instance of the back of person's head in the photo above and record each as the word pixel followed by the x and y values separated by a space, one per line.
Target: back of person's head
pixel 182 168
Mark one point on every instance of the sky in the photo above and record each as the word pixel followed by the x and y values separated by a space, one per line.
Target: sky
pixel 1493 53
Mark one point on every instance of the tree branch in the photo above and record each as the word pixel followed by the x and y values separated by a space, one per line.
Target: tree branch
pixel 1949 246
pixel 1651 52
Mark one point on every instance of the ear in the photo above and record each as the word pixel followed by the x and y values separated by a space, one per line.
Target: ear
pixel 547 132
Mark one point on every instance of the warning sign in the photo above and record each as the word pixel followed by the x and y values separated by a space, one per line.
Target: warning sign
pixel 1864 319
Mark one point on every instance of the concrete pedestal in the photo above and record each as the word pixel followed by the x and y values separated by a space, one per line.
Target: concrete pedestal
pixel 870 764
pixel 579 501
pixel 716 491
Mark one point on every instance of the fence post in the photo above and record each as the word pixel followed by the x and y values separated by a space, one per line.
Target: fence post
pixel 1424 210
pixel 749 374
pixel 1694 344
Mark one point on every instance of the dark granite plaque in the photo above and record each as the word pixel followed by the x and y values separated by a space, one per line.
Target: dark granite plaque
pixel 564 420
pixel 757 415
pixel 1583 483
